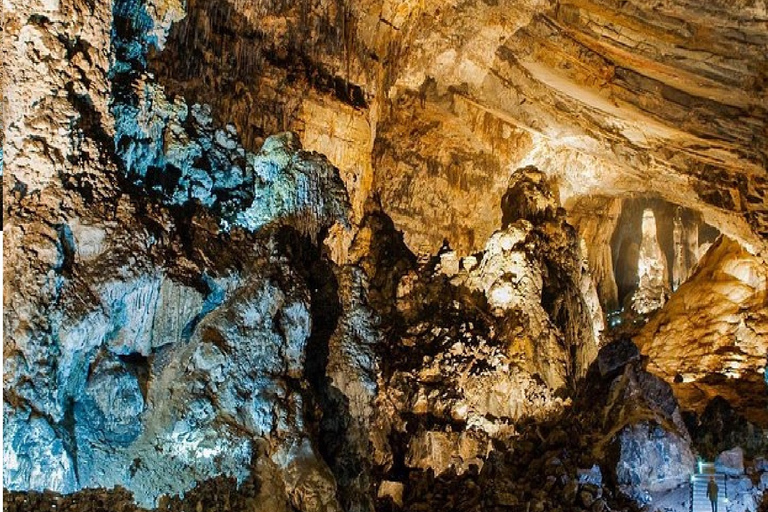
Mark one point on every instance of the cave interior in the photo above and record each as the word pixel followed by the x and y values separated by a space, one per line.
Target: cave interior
pixel 385 255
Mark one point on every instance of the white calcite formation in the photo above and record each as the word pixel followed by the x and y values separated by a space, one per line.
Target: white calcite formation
pixel 652 290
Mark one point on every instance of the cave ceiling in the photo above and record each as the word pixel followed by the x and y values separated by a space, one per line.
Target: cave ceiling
pixel 445 99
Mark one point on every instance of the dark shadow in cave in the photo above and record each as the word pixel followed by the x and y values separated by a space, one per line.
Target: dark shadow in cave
pixel 215 55
pixel 327 408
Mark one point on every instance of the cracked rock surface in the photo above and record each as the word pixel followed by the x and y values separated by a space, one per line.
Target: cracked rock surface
pixel 370 255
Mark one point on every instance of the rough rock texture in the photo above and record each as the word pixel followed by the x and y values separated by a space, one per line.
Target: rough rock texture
pixel 710 338
pixel 428 154
pixel 327 255
pixel 474 347
pixel 555 463
pixel 136 370
pixel 617 237
pixel 648 446
pixel 130 358
pixel 611 98
pixel 720 428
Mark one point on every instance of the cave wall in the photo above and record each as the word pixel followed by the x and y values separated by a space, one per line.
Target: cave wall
pixel 499 78
pixel 157 226
pixel 709 339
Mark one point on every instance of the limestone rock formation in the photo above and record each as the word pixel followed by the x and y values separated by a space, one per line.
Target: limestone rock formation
pixel 371 255
pixel 711 338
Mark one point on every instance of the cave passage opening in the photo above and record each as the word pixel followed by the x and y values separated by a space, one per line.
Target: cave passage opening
pixel 655 247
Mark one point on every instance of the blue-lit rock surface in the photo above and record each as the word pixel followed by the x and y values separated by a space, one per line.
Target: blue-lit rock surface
pixel 174 151
pixel 124 375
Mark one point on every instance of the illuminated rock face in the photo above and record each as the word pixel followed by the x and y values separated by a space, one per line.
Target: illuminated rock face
pixel 224 221
pixel 163 385
pixel 653 287
pixel 712 332
pixel 639 250
pixel 452 100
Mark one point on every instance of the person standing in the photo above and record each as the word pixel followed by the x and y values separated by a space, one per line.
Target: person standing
pixel 712 491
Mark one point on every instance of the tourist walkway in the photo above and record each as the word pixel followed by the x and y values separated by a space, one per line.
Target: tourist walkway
pixel 700 502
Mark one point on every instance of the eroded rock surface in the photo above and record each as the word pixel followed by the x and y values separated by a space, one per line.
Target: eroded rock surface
pixel 710 339
pixel 328 255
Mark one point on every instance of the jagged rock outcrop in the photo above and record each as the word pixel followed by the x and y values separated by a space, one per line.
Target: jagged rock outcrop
pixel 152 383
pixel 710 339
pixel 137 288
pixel 651 451
pixel 476 347
pixel 321 256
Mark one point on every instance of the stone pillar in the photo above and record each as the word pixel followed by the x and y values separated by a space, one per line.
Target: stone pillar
pixel 680 264
pixel 653 286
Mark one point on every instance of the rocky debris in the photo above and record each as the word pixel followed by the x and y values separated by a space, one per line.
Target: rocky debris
pixel 443 450
pixel 591 476
pixel 743 495
pixel 621 444
pixel 553 464
pixel 221 494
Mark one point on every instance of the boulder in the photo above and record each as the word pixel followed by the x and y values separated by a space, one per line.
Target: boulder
pixel 651 458
pixel 730 462
pixel 616 355
pixel 742 495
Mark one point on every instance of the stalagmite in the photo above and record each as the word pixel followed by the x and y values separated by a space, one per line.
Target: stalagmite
pixel 653 287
